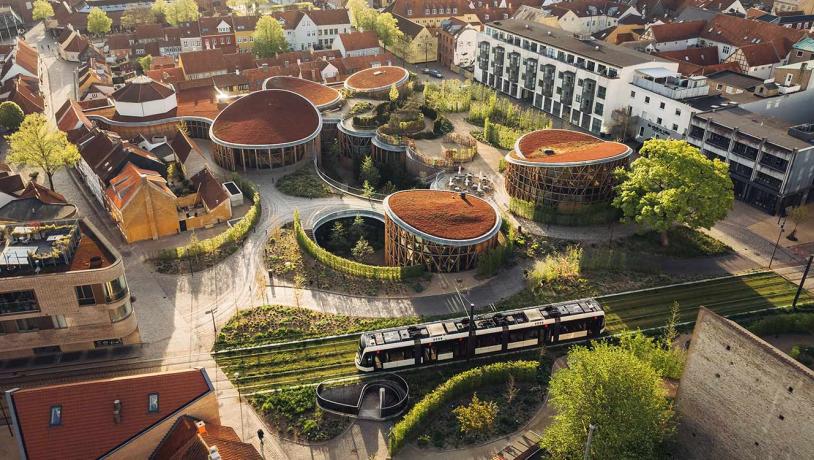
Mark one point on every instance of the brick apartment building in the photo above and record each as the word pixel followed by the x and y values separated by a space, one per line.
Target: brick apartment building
pixel 62 289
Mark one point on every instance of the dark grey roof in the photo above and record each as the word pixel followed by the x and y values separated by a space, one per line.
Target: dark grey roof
pixel 738 80
pixel 756 125
pixel 793 109
pixel 707 103
pixel 29 209
pixel 606 53
pixel 694 13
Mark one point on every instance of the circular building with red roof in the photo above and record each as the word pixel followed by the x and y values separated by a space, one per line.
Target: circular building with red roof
pixel 323 97
pixel 563 170
pixel 377 81
pixel 266 129
pixel 441 230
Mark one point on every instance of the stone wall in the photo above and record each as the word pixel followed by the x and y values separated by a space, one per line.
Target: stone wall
pixel 742 398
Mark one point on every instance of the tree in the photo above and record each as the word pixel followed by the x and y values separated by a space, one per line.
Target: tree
pixel 144 62
pixel 339 238
pixel 37 144
pixel 269 38
pixel 158 7
pixel 42 10
pixel 478 416
pixel 178 11
pixel 11 115
pixel 361 250
pixel 362 16
pixel 367 190
pixel 136 16
pixel 98 22
pixel 357 228
pixel 368 172
pixel 617 392
pixel 798 215
pixel 394 93
pixel 387 30
pixel 672 183
pixel 622 126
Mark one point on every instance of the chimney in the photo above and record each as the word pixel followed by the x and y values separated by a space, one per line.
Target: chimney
pixel 200 426
pixel 214 454
pixel 117 411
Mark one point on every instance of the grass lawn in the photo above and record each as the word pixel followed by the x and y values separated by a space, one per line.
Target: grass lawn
pixel 683 242
pixel 286 261
pixel 304 182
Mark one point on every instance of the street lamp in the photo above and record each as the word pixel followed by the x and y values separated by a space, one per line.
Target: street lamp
pixel 212 312
pixel 591 428
pixel 240 404
pixel 777 243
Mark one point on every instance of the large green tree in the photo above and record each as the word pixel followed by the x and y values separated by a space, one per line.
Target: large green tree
pixel 362 16
pixel 42 10
pixel 144 62
pixel 617 392
pixel 246 6
pixel 178 11
pixel 11 115
pixel 672 183
pixel 387 30
pixel 36 144
pixel 269 37
pixel 98 21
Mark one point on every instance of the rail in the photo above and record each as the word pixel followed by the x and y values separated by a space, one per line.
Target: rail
pixel 347 189
pixel 395 384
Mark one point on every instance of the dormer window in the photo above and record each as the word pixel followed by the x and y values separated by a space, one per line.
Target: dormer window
pixel 152 402
pixel 56 416
pixel 409 12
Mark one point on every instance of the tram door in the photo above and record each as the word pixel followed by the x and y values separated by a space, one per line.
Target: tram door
pixel 429 353
pixel 419 354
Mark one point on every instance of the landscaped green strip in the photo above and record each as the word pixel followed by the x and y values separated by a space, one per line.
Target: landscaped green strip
pixel 295 364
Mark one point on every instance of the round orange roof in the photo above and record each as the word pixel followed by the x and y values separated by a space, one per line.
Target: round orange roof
pixel 376 78
pixel 444 214
pixel 319 94
pixel 555 146
pixel 267 118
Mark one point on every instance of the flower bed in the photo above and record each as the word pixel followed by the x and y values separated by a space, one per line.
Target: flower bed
pixel 456 387
pixel 206 253
pixel 293 412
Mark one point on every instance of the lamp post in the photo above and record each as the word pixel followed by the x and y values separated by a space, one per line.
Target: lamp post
pixel 777 243
pixel 802 282
pixel 212 312
pixel 240 404
pixel 591 428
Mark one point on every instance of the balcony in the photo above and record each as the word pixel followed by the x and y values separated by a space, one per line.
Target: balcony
pixel 673 88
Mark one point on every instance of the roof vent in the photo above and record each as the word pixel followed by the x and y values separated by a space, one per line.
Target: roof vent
pixel 548 33
pixel 200 426
pixel 117 411
pixel 95 262
pixel 463 195
pixel 549 151
pixel 214 454
pixel 377 72
pixel 596 47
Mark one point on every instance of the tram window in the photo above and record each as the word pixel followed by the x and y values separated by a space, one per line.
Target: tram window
pixel 430 353
pixel 367 360
pixel 516 336
pixel 488 340
pixel 398 354
pixel 572 326
pixel 523 335
pixel 444 347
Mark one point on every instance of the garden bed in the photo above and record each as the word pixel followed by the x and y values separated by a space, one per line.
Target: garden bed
pixel 277 323
pixel 286 261
pixel 293 413
pixel 444 432
pixel 305 183
pixel 684 242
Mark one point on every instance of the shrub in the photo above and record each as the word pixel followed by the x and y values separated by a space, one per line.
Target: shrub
pixel 792 323
pixel 557 266
pixel 457 386
pixel 303 182
pixel 229 240
pixel 595 214
pixel 360 107
pixel 442 126
pixel 348 266
pixel 489 262
pixel 448 96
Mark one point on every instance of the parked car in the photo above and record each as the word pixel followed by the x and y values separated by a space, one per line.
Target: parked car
pixel 436 74
pixel 426 71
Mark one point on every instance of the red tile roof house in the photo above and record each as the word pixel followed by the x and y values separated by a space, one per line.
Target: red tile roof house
pixel 218 32
pixel 116 418
pixel 23 60
pixel 357 44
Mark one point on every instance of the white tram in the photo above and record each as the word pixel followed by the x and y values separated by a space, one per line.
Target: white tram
pixel 494 333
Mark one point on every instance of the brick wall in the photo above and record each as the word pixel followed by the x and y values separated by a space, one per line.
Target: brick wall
pixel 741 398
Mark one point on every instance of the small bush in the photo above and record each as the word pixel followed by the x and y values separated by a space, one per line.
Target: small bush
pixel 791 323
pixel 442 126
pixel 305 183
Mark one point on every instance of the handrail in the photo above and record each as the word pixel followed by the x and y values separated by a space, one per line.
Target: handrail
pixel 394 382
pixel 345 188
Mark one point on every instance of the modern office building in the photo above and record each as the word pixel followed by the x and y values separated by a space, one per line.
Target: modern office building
pixel 442 230
pixel 62 289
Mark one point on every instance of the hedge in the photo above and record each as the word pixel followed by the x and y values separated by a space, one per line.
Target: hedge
pixel 350 267
pixel 791 323
pixel 457 386
pixel 232 236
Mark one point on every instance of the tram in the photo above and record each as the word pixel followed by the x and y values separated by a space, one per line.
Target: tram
pixel 446 340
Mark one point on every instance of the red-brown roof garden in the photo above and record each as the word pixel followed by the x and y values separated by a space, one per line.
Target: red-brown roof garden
pixel 444 214
pixel 376 78
pixel 267 118
pixel 555 146
pixel 319 95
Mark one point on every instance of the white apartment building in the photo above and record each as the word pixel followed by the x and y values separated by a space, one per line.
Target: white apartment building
pixel 581 81
pixel 663 102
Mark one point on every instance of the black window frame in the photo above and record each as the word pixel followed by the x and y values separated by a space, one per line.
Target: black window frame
pixel 81 297
pixel 150 409
pixel 58 407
